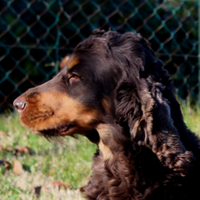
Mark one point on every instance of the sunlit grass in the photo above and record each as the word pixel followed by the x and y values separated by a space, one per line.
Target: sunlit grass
pixel 69 162
pixel 192 118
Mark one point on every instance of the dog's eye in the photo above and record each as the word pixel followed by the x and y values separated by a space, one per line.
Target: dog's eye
pixel 73 78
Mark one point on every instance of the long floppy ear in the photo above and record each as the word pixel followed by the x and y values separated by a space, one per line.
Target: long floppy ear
pixel 145 111
pixel 165 139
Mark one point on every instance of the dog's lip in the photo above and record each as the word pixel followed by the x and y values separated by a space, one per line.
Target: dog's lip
pixel 59 130
pixel 63 128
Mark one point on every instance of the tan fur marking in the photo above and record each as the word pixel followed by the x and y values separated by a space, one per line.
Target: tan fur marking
pixel 105 133
pixel 106 104
pixel 107 154
pixel 72 62
pixel 64 61
pixel 55 109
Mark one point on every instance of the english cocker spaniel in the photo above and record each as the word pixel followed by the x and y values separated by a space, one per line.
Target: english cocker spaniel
pixel 114 90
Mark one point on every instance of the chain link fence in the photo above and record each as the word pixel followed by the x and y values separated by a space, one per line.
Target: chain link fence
pixel 36 34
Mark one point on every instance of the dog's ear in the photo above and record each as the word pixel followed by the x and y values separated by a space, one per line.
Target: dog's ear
pixel 143 109
pixel 165 138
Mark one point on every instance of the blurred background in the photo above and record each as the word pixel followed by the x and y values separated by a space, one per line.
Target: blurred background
pixel 36 34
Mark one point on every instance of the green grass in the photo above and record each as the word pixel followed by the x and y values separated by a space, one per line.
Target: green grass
pixel 68 161
pixel 192 118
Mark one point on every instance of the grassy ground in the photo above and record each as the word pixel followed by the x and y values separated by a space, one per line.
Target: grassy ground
pixel 68 163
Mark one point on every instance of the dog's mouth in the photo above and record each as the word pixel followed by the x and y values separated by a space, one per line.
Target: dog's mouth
pixel 58 131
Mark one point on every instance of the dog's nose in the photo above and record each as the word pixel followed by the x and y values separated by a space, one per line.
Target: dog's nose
pixel 19 104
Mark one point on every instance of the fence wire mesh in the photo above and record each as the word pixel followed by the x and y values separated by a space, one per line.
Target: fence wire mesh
pixel 36 34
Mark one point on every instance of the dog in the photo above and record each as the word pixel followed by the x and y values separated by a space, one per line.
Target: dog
pixel 114 91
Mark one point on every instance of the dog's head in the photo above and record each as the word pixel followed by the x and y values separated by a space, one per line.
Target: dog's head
pixel 78 97
pixel 109 77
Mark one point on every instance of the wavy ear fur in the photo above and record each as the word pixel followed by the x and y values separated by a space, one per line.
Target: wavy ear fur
pixel 142 107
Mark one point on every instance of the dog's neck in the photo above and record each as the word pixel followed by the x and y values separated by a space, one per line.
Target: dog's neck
pixel 111 139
